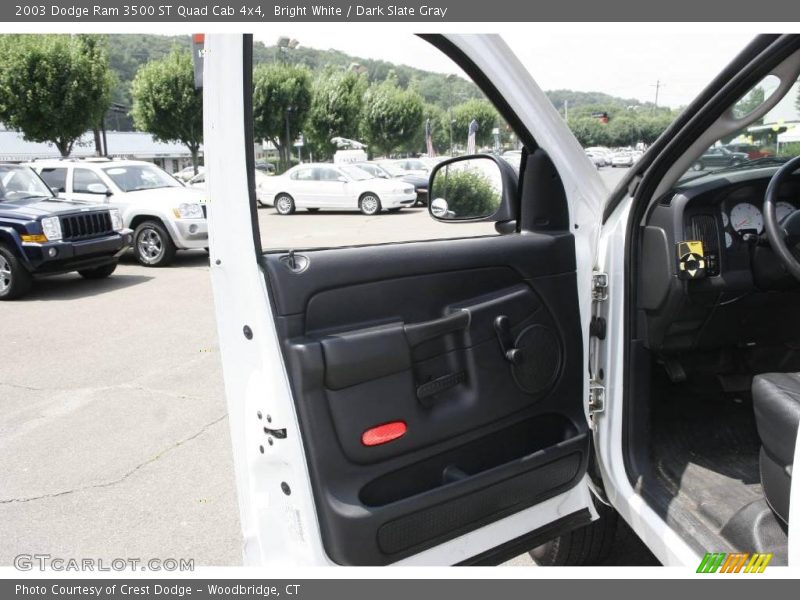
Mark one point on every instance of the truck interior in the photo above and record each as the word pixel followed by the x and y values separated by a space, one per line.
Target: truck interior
pixel 714 347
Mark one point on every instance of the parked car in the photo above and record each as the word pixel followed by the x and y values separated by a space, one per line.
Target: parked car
pixel 752 151
pixel 41 234
pixel 199 180
pixel 432 161
pixel 266 168
pixel 598 160
pixel 341 187
pixel 719 157
pixel 187 173
pixel 411 166
pixel 166 216
pixel 513 157
pixel 604 153
pixel 419 182
pixel 622 159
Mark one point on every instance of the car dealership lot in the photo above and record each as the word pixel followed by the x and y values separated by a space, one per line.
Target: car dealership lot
pixel 114 440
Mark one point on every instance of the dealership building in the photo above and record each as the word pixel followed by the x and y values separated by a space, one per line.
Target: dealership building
pixel 131 145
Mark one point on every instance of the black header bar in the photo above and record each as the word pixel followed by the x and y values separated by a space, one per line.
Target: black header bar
pixel 435 11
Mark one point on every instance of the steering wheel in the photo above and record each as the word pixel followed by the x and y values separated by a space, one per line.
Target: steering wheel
pixel 784 236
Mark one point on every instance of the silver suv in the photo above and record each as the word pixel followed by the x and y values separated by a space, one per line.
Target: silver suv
pixel 166 216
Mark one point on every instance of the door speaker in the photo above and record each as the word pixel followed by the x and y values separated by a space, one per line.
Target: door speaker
pixel 541 362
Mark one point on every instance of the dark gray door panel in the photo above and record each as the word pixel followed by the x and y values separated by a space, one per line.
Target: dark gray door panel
pixel 407 336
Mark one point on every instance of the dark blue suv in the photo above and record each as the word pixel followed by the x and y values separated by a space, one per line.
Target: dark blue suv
pixel 41 234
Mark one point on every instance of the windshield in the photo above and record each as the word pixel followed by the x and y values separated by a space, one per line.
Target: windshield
pixel 134 178
pixel 356 173
pixel 393 169
pixel 768 141
pixel 18 183
pixel 374 170
pixel 416 165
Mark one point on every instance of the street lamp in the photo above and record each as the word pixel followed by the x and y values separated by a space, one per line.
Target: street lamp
pixel 285 44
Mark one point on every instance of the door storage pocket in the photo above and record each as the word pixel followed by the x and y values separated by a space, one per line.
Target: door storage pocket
pixel 475 484
pixel 511 451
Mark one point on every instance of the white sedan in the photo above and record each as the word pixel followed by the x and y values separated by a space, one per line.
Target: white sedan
pixel 623 159
pixel 338 187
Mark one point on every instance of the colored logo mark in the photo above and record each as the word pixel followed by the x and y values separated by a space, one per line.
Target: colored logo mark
pixel 737 562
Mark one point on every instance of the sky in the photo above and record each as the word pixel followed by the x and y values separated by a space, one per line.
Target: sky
pixel 625 64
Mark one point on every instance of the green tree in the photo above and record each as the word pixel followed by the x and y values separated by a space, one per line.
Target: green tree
pixel 797 101
pixel 336 106
pixel 751 101
pixel 590 131
pixel 166 103
pixel 480 110
pixel 650 128
pixel 623 131
pixel 393 117
pixel 53 87
pixel 281 103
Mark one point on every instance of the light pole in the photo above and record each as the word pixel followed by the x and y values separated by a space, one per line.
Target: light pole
pixel 288 143
pixel 284 45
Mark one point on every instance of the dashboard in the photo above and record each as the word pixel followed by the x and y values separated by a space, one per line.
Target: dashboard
pixel 729 221
pixel 740 210
pixel 734 295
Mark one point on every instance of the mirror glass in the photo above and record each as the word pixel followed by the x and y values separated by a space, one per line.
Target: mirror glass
pixel 466 189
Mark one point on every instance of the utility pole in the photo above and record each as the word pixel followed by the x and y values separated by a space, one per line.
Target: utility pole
pixel 658 86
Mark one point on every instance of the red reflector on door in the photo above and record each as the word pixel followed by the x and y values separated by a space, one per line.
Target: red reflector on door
pixel 383 434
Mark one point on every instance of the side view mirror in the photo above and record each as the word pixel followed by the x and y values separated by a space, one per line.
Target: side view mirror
pixel 342 178
pixel 478 187
pixel 98 188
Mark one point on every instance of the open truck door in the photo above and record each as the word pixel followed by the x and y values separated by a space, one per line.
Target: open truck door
pixel 378 412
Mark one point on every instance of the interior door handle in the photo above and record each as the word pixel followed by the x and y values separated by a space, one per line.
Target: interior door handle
pixel 416 333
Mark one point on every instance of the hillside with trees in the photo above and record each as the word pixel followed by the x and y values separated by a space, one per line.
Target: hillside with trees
pixel 322 93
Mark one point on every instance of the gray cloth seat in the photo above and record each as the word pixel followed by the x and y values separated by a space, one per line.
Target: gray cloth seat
pixel 776 402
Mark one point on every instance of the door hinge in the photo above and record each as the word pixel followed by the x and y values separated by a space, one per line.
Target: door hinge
pixel 597 398
pixel 599 287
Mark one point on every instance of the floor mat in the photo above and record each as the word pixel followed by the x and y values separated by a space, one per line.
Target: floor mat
pixel 705 461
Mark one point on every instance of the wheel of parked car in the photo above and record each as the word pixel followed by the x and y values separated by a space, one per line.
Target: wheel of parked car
pixel 98 272
pixel 152 245
pixel 284 204
pixel 369 204
pixel 14 278
pixel 585 546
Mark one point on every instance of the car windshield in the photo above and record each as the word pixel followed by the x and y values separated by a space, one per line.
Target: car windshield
pixel 768 141
pixel 393 169
pixel 19 183
pixel 374 170
pixel 134 178
pixel 356 173
pixel 416 165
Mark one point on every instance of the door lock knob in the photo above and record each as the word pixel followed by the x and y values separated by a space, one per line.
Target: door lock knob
pixel 514 356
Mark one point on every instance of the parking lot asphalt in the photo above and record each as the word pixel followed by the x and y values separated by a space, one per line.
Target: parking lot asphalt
pixel 114 441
